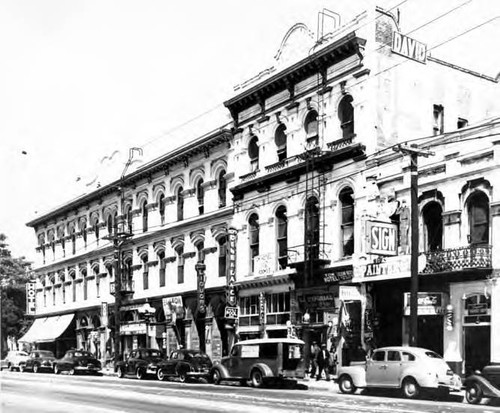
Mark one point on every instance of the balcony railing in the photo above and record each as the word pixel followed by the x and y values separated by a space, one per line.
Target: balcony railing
pixel 316 253
pixel 457 259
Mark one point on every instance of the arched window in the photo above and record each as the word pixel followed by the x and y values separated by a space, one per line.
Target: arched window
pixel 72 234
pixel 161 208
pixel 180 264
pixel 200 195
pixel 312 229
pixel 144 211
pixel 253 223
pixel 222 241
pixel 128 218
pixel 479 223
pixel 84 232
pixel 145 272
pixel 222 188
pixel 180 204
pixel 95 226
pixel 280 141
pixel 85 284
pixel 97 282
pixel 253 153
pixel 161 260
pixel 432 216
pixel 282 236
pixel 347 223
pixel 311 127
pixel 346 116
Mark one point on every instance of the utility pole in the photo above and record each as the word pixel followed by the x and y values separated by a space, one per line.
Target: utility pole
pixel 414 153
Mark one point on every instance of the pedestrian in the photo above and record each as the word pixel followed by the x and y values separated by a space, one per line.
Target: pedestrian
pixel 314 354
pixel 323 361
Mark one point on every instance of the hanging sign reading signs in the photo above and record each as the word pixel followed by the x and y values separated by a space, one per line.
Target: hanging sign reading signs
pixel 408 47
pixel 231 270
pixel 30 298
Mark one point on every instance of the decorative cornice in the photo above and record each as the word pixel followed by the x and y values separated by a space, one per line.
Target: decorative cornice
pixel 439 169
pixel 189 254
pixel 171 259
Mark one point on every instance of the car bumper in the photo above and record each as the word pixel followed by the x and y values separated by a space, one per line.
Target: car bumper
pixel 87 369
pixel 198 373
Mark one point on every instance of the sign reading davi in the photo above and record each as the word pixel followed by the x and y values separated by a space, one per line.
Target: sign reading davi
pixel 408 47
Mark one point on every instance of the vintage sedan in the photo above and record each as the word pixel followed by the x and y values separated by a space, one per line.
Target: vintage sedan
pixel 410 369
pixel 484 384
pixel 39 360
pixel 77 361
pixel 13 360
pixel 262 361
pixel 141 363
pixel 184 364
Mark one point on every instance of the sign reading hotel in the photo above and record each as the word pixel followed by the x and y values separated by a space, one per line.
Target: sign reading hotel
pixel 334 275
pixel 382 238
pixel 30 298
pixel 408 47
pixel 231 270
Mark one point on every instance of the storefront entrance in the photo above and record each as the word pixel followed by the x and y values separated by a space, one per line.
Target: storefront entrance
pixel 430 333
pixel 477 348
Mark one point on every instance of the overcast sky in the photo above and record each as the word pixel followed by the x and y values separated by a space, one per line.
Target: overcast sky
pixel 82 79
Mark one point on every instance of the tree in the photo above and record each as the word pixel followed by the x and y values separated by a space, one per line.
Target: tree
pixel 13 277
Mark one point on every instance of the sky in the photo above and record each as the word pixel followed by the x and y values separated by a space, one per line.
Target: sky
pixel 83 81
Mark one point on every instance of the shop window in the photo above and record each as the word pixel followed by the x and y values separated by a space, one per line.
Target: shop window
pixel 180 204
pixel 253 153
pixel 161 208
pixel 280 141
pixel 346 116
pixel 438 114
pixel 479 211
pixel 277 308
pixel 432 215
pixel 161 259
pixel 180 265
pixel 249 311
pixel 346 198
pixel 222 241
pixel 253 224
pixel 282 236
pixel 144 212
pixel 312 229
pixel 222 188
pixel 200 195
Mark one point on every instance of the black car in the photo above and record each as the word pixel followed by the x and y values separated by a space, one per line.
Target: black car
pixel 485 384
pixel 141 363
pixel 185 364
pixel 39 360
pixel 77 361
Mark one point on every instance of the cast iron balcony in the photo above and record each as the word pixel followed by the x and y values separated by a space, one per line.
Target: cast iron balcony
pixel 458 259
pixel 315 254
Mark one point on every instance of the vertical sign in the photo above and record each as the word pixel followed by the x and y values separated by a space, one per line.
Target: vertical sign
pixel 104 314
pixel 30 298
pixel 200 271
pixel 262 308
pixel 231 270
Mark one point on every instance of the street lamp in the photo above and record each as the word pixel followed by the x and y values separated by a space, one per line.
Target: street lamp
pixel 148 313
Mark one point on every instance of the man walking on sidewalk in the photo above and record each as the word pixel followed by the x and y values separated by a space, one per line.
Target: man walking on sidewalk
pixel 323 361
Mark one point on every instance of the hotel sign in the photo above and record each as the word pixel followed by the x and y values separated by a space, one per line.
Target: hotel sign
pixel 334 275
pixel 382 238
pixel 231 270
pixel 30 298
pixel 408 47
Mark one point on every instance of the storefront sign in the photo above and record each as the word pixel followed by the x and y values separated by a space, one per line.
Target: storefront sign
pixel 396 266
pixel 477 309
pixel 333 275
pixel 349 293
pixel 231 271
pixel 262 308
pixel 200 271
pixel 104 314
pixel 382 238
pixel 30 298
pixel 428 303
pixel 173 308
pixel 264 264
pixel 133 329
pixel 408 47
pixel 231 313
pixel 317 301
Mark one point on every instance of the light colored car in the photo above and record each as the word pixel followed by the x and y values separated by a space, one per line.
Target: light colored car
pixel 14 359
pixel 410 369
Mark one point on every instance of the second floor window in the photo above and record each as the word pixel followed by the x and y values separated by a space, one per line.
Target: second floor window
pixel 282 236
pixel 144 211
pixel 161 259
pixel 432 215
pixel 346 116
pixel 347 226
pixel 180 265
pixel 479 212
pixel 311 127
pixel 200 195
pixel 180 204
pixel 222 241
pixel 199 248
pixel 253 153
pixel 222 188
pixel 280 141
pixel 254 228
pixel 161 208
pixel 145 274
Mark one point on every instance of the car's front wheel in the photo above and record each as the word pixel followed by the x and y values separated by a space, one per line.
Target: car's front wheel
pixel 139 373
pixel 120 372
pixel 410 388
pixel 216 377
pixel 182 375
pixel 21 368
pixel 36 368
pixel 57 370
pixel 473 393
pixel 346 384
pixel 160 375
pixel 72 371
pixel 257 378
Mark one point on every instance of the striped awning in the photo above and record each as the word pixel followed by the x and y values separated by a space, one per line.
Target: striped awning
pixel 47 329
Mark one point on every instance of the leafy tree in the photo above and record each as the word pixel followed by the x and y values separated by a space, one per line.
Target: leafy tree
pixel 13 278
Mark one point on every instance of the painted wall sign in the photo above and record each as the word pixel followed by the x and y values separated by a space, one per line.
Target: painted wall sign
pixel 382 238
pixel 392 266
pixel 408 47
pixel 173 308
pixel 317 301
pixel 428 303
pixel 333 275
pixel 264 264
pixel 231 270
pixel 200 271
pixel 30 298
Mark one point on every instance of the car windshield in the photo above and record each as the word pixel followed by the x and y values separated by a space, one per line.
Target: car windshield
pixel 46 354
pixel 82 354
pixel 21 353
pixel 432 355
pixel 151 353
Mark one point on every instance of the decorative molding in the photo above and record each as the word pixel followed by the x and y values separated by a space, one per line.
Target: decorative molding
pixel 452 217
pixel 169 200
pixel 152 263
pixel 485 156
pixel 495 209
pixel 189 254
pixel 439 169
pixel 209 184
pixel 171 259
pixel 135 267
pixel 188 193
pixel 209 250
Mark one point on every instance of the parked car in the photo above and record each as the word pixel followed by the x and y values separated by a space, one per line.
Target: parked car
pixel 409 369
pixel 39 360
pixel 484 384
pixel 13 360
pixel 262 361
pixel 77 361
pixel 185 364
pixel 141 362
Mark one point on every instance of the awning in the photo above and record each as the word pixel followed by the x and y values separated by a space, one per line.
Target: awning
pixel 45 330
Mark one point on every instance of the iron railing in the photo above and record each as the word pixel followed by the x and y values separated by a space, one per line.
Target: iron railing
pixel 457 259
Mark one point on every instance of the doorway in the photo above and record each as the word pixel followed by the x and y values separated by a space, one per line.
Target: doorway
pixel 430 333
pixel 477 348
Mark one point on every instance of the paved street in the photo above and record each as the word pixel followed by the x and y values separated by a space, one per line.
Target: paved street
pixel 25 392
